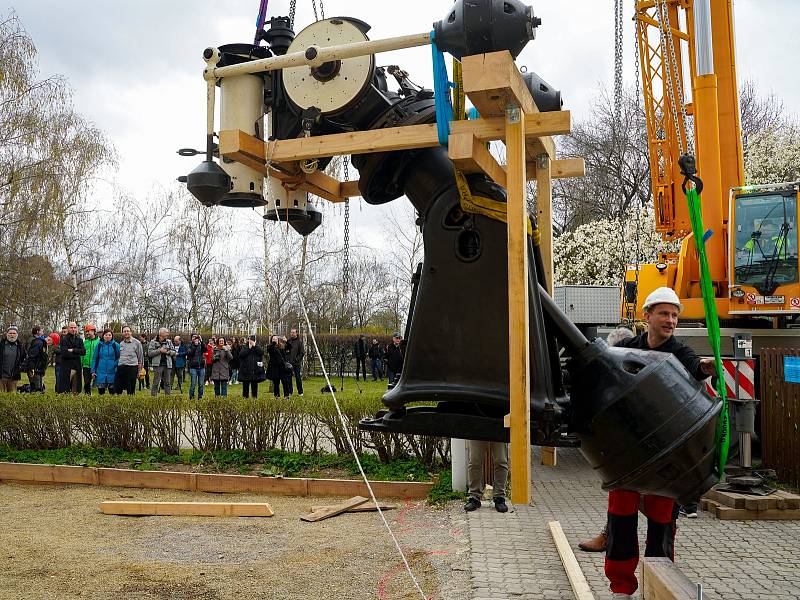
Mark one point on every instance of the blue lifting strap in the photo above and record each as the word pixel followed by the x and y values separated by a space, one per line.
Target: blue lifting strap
pixel 441 90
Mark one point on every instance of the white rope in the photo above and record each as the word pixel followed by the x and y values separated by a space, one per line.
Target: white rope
pixel 341 416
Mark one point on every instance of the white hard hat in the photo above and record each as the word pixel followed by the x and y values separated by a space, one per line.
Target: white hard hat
pixel 663 295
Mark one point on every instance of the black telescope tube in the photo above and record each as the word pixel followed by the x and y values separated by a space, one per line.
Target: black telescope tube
pixel 570 334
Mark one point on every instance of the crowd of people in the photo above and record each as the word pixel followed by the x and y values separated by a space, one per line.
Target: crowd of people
pixel 82 364
pixel 166 362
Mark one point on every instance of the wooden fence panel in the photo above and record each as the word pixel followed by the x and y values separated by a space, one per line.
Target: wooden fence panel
pixel 780 416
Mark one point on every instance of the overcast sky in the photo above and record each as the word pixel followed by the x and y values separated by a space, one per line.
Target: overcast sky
pixel 135 66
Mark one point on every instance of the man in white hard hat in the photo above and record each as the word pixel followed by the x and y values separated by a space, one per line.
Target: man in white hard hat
pixel 620 539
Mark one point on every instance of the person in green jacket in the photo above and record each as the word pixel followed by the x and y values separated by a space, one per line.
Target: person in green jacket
pixel 90 342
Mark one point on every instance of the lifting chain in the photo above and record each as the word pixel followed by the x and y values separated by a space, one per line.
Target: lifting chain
pixel 674 78
pixel 638 206
pixel 346 261
pixel 292 10
pixel 618 41
pixel 321 10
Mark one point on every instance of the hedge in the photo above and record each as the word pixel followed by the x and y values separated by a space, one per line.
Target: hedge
pixel 136 423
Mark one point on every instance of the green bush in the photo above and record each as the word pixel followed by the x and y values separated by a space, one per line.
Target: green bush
pixel 138 423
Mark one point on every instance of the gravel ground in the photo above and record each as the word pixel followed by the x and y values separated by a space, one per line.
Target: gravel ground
pixel 55 544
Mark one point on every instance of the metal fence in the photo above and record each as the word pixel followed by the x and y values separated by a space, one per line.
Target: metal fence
pixel 780 416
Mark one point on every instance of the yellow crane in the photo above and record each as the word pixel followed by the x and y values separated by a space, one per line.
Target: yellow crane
pixel 752 248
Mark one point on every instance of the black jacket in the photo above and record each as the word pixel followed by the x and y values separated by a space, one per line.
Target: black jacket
pixel 686 355
pixel 296 351
pixel 276 368
pixel 37 356
pixel 360 348
pixel 195 356
pixel 248 357
pixel 13 370
pixel 72 359
pixel 394 357
pixel 375 351
pixel 234 362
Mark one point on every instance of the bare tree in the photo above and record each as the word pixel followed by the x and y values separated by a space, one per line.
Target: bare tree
pixel 369 285
pixel 192 232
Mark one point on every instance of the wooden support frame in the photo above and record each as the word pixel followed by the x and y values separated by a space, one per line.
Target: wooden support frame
pixel 508 112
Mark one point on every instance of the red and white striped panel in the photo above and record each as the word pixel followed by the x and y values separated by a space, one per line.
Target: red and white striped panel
pixel 740 379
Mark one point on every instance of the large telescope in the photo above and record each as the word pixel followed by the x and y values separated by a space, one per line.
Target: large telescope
pixel 640 419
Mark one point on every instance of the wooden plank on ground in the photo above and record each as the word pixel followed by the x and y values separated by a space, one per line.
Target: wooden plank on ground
pixel 662 580
pixel 549 456
pixel 200 509
pixel 369 507
pixel 332 511
pixel 577 580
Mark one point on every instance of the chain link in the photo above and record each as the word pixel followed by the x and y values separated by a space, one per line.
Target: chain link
pixel 314 6
pixel 321 10
pixel 346 261
pixel 292 10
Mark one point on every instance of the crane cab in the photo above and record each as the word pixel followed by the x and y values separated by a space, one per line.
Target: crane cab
pixel 764 268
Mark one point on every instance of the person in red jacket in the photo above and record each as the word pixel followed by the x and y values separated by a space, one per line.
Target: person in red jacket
pixel 209 356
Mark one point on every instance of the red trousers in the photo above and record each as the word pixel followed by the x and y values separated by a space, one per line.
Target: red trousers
pixel 622 548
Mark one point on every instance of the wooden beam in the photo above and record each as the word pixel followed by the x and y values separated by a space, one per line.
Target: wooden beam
pixel 492 82
pixel 560 168
pixel 470 155
pixel 370 507
pixel 549 456
pixel 349 189
pixel 544 207
pixel 332 511
pixel 518 342
pixel 580 587
pixel 488 129
pixel 200 509
pixel 662 580
pixel 249 150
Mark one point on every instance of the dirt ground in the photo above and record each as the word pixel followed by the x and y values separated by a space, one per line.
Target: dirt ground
pixel 55 544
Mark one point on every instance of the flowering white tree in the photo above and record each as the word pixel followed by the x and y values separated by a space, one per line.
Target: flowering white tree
pixel 596 253
pixel 773 156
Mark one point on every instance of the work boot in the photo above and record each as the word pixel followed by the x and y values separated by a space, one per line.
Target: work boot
pixel 472 504
pixel 595 544
pixel 500 504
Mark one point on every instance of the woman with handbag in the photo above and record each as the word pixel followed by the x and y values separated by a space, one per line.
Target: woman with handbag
pixel 276 368
pixel 251 367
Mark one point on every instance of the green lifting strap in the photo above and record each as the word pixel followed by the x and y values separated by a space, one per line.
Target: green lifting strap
pixel 722 435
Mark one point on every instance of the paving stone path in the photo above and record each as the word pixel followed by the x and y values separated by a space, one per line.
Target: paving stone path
pixel 513 556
